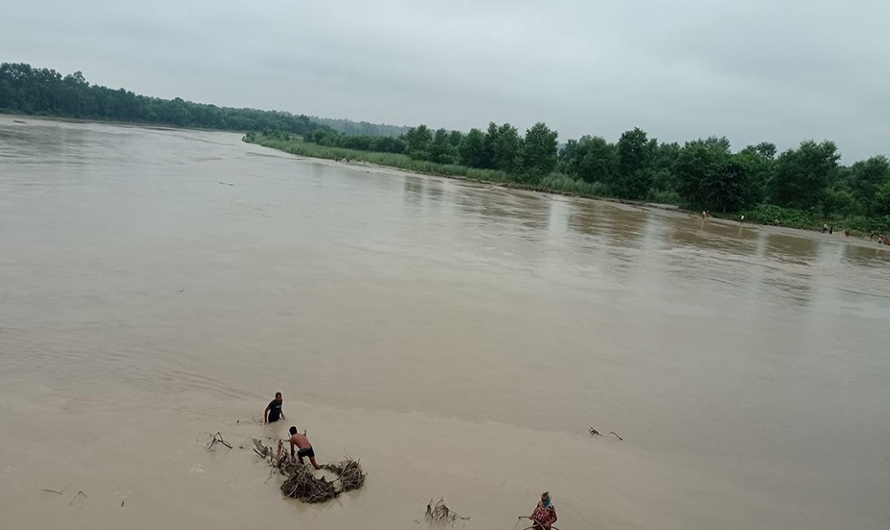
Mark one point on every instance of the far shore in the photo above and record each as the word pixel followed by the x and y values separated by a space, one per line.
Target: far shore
pixel 150 126
pixel 670 209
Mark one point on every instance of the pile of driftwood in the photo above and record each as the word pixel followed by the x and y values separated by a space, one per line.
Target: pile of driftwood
pixel 301 483
pixel 349 472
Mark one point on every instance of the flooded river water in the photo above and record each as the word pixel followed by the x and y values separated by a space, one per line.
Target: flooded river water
pixel 160 285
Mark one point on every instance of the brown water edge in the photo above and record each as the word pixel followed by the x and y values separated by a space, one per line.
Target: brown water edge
pixel 460 342
pixel 631 205
pixel 115 123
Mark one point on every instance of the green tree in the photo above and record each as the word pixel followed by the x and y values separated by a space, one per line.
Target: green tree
pixel 662 168
pixel 729 190
pixel 633 179
pixel 699 168
pixel 760 165
pixel 837 201
pixel 505 145
pixel 866 178
pixel 882 200
pixel 802 174
pixel 539 151
pixel 766 150
pixel 566 155
pixel 454 138
pixel 472 150
pixel 441 150
pixel 595 161
pixel 419 142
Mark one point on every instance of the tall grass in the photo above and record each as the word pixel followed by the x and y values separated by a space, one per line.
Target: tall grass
pixel 299 147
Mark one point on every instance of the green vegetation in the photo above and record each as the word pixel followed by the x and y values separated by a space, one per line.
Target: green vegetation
pixel 297 146
pixel 44 92
pixel 361 128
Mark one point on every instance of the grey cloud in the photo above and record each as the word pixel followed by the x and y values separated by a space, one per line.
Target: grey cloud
pixel 758 70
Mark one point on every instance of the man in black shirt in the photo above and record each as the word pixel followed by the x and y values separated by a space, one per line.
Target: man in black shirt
pixel 273 410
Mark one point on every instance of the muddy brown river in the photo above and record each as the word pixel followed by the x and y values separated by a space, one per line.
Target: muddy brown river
pixel 157 286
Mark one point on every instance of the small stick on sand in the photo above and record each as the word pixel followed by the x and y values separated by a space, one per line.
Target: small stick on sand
pixel 78 496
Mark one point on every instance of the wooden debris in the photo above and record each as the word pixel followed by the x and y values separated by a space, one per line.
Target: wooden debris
pixel 440 513
pixel 218 439
pixel 349 472
pixel 302 484
pixel 616 435
pixel 80 496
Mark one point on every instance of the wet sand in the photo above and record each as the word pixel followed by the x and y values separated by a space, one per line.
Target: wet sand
pixel 459 341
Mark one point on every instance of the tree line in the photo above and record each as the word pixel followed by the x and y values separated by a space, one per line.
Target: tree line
pixel 43 91
pixel 799 186
pixel 361 128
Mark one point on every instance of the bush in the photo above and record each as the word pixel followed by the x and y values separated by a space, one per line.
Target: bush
pixel 666 197
pixel 791 217
pixel 868 226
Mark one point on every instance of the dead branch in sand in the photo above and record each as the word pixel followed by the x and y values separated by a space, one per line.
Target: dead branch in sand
pixel 81 496
pixel 218 439
pixel 439 513
pixel 616 435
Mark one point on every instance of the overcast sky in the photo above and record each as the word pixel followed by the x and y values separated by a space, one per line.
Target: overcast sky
pixel 752 70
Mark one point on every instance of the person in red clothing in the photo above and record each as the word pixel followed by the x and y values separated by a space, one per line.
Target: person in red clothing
pixel 545 513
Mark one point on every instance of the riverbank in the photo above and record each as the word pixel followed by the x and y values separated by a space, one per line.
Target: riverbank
pixel 555 183
pixel 24 118
pixel 552 184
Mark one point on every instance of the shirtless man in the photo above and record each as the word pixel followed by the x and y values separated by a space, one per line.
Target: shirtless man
pixel 305 448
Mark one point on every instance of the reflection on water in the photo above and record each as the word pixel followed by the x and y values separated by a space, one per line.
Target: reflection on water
pixel 744 365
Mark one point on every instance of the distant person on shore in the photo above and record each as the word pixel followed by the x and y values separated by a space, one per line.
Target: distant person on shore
pixel 545 513
pixel 824 228
pixel 881 238
pixel 304 448
pixel 830 230
pixel 273 410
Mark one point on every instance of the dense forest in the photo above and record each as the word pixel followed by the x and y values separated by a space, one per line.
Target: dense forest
pixel 45 92
pixel 804 186
pixel 361 128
